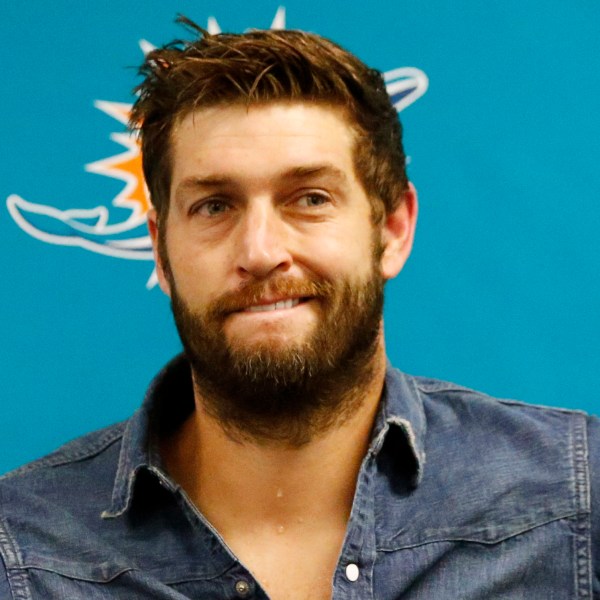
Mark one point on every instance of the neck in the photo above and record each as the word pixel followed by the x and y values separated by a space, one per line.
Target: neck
pixel 274 483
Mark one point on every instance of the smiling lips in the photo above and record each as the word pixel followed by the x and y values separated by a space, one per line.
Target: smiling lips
pixel 280 305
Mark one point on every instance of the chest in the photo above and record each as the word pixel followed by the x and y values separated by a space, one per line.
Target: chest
pixel 291 565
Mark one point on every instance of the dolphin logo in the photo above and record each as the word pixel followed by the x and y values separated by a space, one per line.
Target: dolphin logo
pixel 92 228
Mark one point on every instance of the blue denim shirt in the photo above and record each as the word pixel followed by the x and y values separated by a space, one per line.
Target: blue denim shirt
pixel 460 496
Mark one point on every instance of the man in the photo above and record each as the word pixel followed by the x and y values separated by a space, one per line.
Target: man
pixel 282 457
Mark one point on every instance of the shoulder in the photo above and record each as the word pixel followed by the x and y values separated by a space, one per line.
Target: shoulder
pixel 76 469
pixel 496 468
pixel 78 450
pixel 510 487
pixel 47 503
pixel 87 456
pixel 501 449
pixel 454 406
pixel 78 474
pixel 82 468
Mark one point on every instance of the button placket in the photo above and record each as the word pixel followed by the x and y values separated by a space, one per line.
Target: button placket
pixel 353 580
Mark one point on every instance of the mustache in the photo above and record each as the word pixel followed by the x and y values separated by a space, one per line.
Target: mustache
pixel 253 292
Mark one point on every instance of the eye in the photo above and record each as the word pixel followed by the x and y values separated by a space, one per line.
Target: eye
pixel 211 208
pixel 312 200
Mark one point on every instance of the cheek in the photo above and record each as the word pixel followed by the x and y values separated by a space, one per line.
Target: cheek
pixel 196 273
pixel 343 253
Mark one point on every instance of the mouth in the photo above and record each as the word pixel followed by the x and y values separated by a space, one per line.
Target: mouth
pixel 279 305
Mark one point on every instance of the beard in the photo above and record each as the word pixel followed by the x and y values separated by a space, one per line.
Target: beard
pixel 290 391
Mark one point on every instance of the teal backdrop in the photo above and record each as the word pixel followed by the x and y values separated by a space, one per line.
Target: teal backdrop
pixel 502 291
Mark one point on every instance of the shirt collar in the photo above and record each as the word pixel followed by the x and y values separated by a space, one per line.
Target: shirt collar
pixel 401 415
pixel 169 400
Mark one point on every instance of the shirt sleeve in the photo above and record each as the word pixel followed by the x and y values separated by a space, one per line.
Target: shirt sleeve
pixel 594 461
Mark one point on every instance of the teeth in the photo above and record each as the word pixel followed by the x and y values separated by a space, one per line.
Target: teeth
pixel 282 304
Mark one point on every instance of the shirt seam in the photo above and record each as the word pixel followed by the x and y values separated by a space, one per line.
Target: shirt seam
pixel 582 537
pixel 11 557
pixel 445 387
pixel 114 434
pixel 462 538
pixel 34 567
pixel 167 581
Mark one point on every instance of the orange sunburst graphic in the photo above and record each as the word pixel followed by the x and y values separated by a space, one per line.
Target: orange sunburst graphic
pixel 126 166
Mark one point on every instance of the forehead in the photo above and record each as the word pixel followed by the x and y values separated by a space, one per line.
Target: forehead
pixel 278 136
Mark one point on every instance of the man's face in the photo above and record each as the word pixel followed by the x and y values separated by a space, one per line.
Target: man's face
pixel 270 255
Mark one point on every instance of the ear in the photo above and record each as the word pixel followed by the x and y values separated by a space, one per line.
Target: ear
pixel 163 280
pixel 398 233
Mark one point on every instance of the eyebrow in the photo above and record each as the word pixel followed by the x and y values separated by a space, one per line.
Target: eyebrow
pixel 195 183
pixel 321 170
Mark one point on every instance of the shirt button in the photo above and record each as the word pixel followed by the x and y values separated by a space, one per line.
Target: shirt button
pixel 352 572
pixel 242 588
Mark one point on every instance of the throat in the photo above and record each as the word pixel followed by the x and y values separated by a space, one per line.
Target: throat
pixel 292 412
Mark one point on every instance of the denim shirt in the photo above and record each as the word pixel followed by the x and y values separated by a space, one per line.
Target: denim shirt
pixel 460 496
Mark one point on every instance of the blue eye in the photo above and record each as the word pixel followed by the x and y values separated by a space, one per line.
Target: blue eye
pixel 212 208
pixel 312 200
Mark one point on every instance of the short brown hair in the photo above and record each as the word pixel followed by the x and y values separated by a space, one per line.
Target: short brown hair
pixel 259 67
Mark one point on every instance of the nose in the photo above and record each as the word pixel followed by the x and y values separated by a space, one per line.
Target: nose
pixel 262 242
